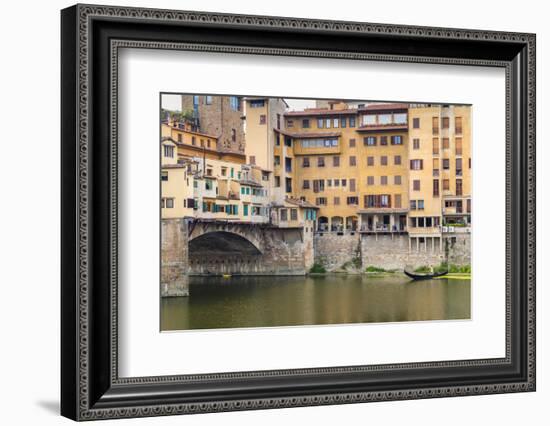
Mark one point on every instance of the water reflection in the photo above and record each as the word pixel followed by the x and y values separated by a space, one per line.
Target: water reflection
pixel 217 302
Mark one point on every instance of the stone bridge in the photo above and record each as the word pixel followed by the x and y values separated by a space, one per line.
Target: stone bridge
pixel 209 247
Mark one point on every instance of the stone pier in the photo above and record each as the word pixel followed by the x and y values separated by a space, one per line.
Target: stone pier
pixel 174 279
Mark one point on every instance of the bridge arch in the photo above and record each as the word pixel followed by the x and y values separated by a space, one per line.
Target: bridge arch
pixel 222 243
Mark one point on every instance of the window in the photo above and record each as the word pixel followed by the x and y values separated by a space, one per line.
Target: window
pixel 469 163
pixel 353 201
pixel 180 137
pixel 435 125
pixel 445 143
pixel 352 161
pixel 234 103
pixel 262 119
pixel 383 160
pixel 369 120
pixel 469 205
pixel 288 184
pixel 385 119
pixel 370 161
pixel 416 143
pixel 195 101
pixel 335 123
pixel 370 180
pixel 208 100
pixel 352 122
pixel 224 171
pixel 413 205
pixel 306 184
pixel 233 135
pixel 436 188
pixel 435 146
pixel 193 140
pixel 445 184
pixel 336 182
pixel 445 164
pixel 318 185
pixel 288 164
pixel 329 182
pixel 278 121
pixel 400 118
pixel 369 141
pixel 397 140
pixel 169 203
pixel 458 165
pixel 169 151
pixel 397 180
pixel 327 123
pixel 343 181
pixel 277 181
pixel 252 159
pixel 397 199
pixel 336 201
pixel 417 164
pixel 320 123
pixel 288 141
pixel 436 167
pixel 283 215
pixel 321 201
pixel 458 184
pixel 257 103
pixel 336 161
pixel 445 123
pixel 293 214
pixel 245 209
pixel 416 185
pixel 352 185
pixel 383 200
pixel 458 146
pixel 416 123
pixel 164 176
pixel 458 125
pixel 305 123
pixel 383 140
pixel 277 160
pixel 343 122
pixel 320 161
pixel 397 160
pixel 383 180
pixel 352 143
pixel 305 161
pixel 420 204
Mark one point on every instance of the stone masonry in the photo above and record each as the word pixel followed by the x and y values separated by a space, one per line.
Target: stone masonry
pixel 174 262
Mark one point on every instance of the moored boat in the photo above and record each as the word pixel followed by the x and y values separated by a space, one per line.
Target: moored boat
pixel 424 276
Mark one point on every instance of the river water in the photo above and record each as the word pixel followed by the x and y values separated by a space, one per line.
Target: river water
pixel 245 301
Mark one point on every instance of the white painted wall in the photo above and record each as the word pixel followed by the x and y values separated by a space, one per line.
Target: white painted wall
pixel 29 276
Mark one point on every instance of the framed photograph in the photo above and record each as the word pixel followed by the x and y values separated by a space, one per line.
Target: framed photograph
pixel 263 212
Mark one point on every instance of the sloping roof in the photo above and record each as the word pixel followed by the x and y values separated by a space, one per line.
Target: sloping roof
pixel 384 107
pixel 299 203
pixel 309 135
pixel 382 127
pixel 321 111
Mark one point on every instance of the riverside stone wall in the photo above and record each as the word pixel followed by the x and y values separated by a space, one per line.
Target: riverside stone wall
pixel 459 248
pixel 333 251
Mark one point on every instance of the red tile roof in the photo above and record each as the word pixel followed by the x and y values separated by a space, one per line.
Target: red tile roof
pixel 321 111
pixel 384 107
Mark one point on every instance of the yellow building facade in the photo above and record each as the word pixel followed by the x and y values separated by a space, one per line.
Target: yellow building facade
pixel 380 168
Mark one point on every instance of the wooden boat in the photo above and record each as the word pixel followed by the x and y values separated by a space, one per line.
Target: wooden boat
pixel 424 276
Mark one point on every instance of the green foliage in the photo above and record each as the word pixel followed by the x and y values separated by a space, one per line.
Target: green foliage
pixel 317 268
pixel 374 269
pixel 423 269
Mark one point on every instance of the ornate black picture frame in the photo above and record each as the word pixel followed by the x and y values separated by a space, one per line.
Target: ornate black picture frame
pixel 91 36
